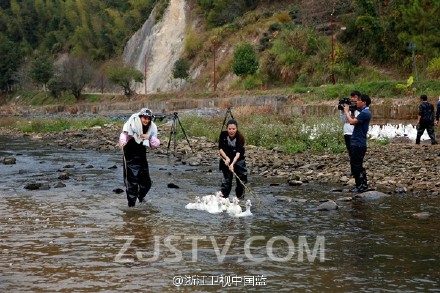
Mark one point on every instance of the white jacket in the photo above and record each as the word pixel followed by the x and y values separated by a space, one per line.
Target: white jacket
pixel 133 128
pixel 348 128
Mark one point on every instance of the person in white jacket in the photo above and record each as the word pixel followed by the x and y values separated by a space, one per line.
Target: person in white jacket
pixel 138 133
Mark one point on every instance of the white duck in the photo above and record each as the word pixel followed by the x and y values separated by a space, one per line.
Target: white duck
pixel 247 212
pixel 194 205
pixel 234 209
pixel 213 206
pixel 225 203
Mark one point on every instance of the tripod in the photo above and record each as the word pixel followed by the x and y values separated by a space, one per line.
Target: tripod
pixel 173 133
pixel 228 112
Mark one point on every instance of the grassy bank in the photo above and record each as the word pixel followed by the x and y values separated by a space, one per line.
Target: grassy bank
pixel 260 126
pixel 46 125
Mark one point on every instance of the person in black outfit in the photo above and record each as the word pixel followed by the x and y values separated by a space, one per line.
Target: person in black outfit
pixel 231 150
pixel 425 120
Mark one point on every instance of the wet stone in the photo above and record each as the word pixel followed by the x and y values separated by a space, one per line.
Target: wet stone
pixel 9 160
pixel 422 215
pixel 64 176
pixel 172 185
pixel 370 195
pixel 32 186
pixel 295 183
pixel 400 188
pixel 329 205
pixel 59 184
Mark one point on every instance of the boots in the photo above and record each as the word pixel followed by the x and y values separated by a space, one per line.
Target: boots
pixel 364 182
pixel 361 182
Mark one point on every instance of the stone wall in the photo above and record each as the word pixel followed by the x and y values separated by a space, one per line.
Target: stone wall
pixel 384 110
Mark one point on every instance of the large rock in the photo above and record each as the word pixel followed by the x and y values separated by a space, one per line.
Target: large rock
pixel 9 160
pixel 370 195
pixel 329 205
pixel 37 186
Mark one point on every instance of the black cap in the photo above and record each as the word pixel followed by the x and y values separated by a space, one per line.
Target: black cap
pixel 355 93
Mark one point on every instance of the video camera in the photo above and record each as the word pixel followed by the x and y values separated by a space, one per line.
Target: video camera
pixel 346 101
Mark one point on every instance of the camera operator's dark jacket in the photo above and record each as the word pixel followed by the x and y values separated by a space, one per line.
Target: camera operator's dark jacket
pixel 426 113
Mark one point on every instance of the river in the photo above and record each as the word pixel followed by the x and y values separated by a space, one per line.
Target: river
pixel 83 238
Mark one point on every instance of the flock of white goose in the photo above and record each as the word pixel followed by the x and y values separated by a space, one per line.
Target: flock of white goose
pixel 216 204
pixel 389 131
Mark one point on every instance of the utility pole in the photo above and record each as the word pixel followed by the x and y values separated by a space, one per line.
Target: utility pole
pixel 333 50
pixel 214 43
pixel 412 47
pixel 215 83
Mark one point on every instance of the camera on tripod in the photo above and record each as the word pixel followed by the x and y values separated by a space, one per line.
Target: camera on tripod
pixel 346 101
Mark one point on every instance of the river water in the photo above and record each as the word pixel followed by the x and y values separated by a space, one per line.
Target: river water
pixel 83 238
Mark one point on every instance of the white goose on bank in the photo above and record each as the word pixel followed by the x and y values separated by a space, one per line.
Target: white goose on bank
pixel 247 212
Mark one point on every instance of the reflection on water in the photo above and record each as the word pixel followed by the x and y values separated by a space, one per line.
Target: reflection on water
pixel 83 238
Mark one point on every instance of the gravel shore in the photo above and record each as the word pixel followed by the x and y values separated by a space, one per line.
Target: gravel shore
pixel 399 167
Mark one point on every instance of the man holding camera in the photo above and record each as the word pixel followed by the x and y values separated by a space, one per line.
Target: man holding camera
pixel 358 142
pixel 348 128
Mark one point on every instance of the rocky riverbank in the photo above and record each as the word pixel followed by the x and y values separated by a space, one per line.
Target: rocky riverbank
pixel 399 167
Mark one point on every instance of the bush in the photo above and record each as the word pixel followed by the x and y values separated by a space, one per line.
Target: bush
pixel 433 68
pixel 262 127
pixel 193 44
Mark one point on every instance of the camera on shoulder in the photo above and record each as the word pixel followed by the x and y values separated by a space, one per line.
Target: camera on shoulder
pixel 346 101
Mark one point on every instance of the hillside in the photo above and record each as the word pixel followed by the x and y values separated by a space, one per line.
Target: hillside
pixel 297 44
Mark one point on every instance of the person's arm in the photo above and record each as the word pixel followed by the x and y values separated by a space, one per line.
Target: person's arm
pixel 351 120
pixel 224 157
pixel 221 152
pixel 231 166
pixel 437 115
pixel 123 139
pixel 419 116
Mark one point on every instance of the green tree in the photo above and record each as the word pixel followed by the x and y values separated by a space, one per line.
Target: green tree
pixel 9 62
pixel 245 60
pixel 123 75
pixel 433 68
pixel 420 26
pixel 181 69
pixel 42 69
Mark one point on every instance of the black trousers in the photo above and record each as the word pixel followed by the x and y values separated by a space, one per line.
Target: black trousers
pixel 357 155
pixel 228 176
pixel 347 139
pixel 429 128
pixel 136 174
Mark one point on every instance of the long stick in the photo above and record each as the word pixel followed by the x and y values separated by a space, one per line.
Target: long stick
pixel 125 168
pixel 244 185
